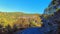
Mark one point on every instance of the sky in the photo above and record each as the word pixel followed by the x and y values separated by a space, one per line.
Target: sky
pixel 26 6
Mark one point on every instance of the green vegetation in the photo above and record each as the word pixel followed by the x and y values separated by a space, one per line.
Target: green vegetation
pixel 15 18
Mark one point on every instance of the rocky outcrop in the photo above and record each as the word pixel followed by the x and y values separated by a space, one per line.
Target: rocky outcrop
pixel 54 10
pixel 53 7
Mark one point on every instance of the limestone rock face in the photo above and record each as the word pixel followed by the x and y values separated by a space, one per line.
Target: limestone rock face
pixel 54 10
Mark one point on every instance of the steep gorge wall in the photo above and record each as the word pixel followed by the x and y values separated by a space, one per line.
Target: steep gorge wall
pixel 53 12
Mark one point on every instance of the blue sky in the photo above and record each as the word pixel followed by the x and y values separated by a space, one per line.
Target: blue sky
pixel 26 6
